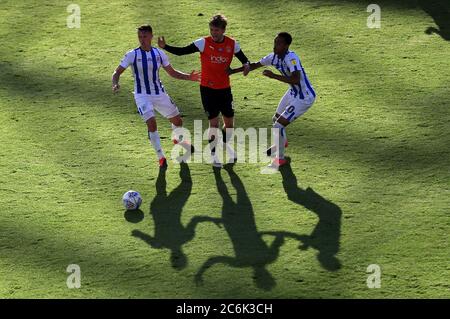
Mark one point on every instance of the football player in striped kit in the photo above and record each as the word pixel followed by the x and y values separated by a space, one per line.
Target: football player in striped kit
pixel 149 93
pixel 297 99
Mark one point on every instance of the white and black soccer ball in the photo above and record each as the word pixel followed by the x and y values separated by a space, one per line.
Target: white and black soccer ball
pixel 131 200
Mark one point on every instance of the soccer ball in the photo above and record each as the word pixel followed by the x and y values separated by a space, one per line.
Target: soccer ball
pixel 131 200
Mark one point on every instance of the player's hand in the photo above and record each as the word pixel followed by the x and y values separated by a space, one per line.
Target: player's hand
pixel 268 73
pixel 246 68
pixel 161 42
pixel 195 76
pixel 115 88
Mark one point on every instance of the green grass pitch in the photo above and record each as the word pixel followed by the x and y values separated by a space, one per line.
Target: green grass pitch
pixel 368 181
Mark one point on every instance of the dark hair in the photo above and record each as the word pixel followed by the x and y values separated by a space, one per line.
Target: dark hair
pixel 218 21
pixel 287 38
pixel 145 28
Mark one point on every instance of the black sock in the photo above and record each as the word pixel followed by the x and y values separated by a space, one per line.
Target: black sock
pixel 213 149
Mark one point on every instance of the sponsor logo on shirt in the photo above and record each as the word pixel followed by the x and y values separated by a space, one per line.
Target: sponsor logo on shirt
pixel 218 59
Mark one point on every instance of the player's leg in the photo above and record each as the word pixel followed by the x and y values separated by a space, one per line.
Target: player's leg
pixel 155 140
pixel 297 108
pixel 213 140
pixel 227 136
pixel 282 105
pixel 279 137
pixel 209 102
pixel 227 111
pixel 179 138
pixel 145 109
pixel 167 108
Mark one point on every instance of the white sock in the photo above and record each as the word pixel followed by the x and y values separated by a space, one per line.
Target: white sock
pixel 156 143
pixel 279 136
pixel 227 138
pixel 177 133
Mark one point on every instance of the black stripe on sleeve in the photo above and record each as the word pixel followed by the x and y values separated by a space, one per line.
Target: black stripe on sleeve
pixel 241 56
pixel 191 48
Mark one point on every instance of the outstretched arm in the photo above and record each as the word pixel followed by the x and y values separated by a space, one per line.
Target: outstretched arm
pixel 211 262
pixel 193 76
pixel 115 78
pixel 244 60
pixel 252 66
pixel 293 79
pixel 304 239
pixel 200 219
pixel 191 48
pixel 284 234
pixel 147 238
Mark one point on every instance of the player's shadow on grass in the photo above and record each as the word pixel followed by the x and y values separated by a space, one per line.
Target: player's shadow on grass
pixel 439 10
pixel 326 235
pixel 166 210
pixel 239 222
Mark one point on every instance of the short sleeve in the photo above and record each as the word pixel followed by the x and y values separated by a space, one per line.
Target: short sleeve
pixel 267 60
pixel 127 59
pixel 293 62
pixel 164 59
pixel 237 47
pixel 200 44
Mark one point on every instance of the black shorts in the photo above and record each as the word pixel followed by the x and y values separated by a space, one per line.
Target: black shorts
pixel 216 101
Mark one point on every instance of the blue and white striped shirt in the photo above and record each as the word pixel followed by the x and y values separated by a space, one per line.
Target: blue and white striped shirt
pixel 145 66
pixel 287 65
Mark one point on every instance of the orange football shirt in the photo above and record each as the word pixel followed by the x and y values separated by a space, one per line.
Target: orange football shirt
pixel 215 60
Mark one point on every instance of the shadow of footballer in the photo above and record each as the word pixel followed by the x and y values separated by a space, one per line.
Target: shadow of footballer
pixel 166 209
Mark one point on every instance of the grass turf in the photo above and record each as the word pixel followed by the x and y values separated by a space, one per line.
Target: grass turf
pixel 368 183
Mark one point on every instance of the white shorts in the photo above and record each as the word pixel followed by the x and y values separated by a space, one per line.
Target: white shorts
pixel 162 103
pixel 291 107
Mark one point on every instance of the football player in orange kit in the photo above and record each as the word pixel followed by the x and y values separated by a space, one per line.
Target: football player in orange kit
pixel 216 54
